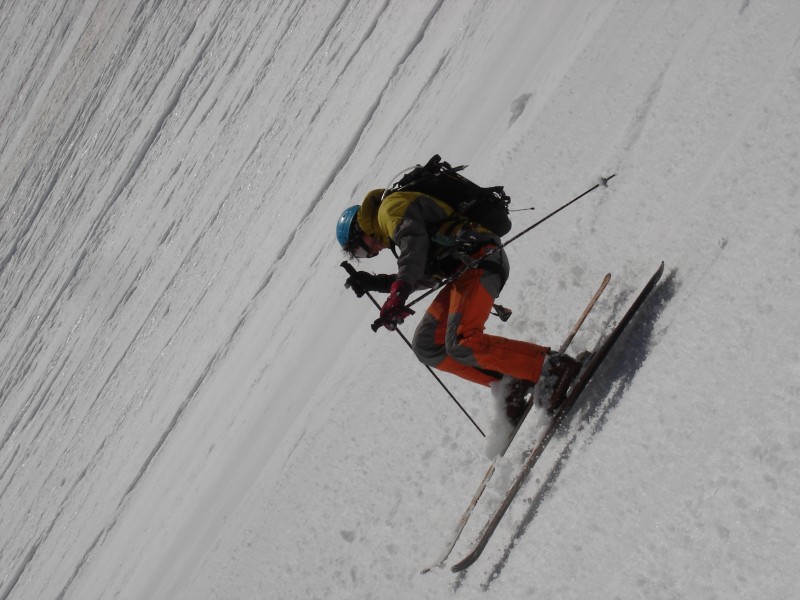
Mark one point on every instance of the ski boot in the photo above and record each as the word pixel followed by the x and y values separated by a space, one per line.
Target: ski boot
pixel 516 400
pixel 558 372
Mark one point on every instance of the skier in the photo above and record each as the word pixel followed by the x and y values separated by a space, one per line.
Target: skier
pixel 434 243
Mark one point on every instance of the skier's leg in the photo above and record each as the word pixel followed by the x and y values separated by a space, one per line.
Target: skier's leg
pixel 430 347
pixel 471 302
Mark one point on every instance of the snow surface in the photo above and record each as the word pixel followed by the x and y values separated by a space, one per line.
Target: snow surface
pixel 192 405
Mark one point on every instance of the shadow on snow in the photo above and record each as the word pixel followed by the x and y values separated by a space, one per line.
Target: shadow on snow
pixel 602 396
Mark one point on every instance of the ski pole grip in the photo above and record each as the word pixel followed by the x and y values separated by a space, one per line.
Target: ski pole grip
pixel 351 270
pixel 379 322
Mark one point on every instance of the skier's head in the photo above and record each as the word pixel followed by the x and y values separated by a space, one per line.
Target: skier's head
pixel 349 234
pixel 347 230
pixel 358 230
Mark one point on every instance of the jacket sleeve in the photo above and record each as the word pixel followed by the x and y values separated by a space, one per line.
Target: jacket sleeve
pixel 406 217
pixel 411 238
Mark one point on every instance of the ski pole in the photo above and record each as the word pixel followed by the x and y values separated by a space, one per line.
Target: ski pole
pixel 602 183
pixel 352 271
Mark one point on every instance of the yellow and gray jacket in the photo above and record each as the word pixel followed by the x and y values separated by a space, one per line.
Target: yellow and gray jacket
pixel 427 233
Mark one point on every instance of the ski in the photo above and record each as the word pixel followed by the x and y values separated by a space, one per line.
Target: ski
pixel 560 416
pixel 490 471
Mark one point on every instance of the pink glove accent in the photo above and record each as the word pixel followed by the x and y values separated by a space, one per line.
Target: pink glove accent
pixel 394 311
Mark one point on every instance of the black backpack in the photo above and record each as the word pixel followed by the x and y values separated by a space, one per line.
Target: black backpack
pixel 487 207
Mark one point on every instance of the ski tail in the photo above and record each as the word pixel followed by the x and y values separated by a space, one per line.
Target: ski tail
pixel 589 307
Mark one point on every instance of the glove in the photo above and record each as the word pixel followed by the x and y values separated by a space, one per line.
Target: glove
pixel 362 282
pixel 394 311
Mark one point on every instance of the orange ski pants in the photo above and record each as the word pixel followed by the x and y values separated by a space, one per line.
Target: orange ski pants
pixel 450 337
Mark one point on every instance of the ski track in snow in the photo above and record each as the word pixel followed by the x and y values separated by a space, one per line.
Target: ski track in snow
pixel 191 405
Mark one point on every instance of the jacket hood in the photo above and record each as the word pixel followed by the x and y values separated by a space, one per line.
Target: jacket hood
pixel 368 216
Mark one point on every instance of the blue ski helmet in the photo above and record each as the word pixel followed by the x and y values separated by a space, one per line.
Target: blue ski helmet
pixel 347 226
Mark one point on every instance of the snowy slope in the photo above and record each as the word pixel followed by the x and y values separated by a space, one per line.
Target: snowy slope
pixel 191 404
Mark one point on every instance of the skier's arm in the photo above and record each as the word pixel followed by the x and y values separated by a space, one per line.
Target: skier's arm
pixel 361 282
pixel 412 240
